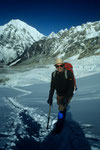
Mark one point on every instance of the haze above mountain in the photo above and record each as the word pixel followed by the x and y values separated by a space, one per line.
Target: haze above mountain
pixel 22 43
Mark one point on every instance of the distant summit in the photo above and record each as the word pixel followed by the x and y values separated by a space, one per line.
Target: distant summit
pixel 15 37
pixel 24 26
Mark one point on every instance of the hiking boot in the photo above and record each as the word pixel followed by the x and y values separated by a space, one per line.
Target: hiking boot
pixel 60 122
pixel 58 127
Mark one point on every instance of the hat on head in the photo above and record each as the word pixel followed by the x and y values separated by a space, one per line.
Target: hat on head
pixel 59 61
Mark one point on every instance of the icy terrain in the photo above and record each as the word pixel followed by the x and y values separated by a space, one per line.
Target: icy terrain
pixel 24 110
pixel 83 67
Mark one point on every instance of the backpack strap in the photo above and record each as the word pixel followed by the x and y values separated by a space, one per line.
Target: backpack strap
pixel 54 74
pixel 66 74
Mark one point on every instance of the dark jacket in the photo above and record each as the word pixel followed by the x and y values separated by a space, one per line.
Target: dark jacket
pixel 63 86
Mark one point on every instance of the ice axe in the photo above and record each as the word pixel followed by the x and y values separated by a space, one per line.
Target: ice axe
pixel 48 116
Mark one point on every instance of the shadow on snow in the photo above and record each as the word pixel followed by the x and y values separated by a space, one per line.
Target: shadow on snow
pixel 71 138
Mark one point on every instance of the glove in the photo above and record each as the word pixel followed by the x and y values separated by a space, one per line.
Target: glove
pixel 75 88
pixel 49 101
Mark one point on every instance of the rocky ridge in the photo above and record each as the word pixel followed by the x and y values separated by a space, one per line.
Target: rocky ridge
pixel 83 40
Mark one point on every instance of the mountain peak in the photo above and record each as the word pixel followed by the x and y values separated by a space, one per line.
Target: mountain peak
pixel 53 35
pixel 22 25
pixel 16 36
pixel 17 23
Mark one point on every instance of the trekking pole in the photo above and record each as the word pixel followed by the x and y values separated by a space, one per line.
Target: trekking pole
pixel 48 116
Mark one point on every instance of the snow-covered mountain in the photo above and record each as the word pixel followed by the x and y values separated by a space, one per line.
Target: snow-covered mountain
pixel 19 41
pixel 15 37
pixel 83 40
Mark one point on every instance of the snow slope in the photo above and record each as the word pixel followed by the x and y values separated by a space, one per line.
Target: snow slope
pixel 83 67
pixel 26 111
pixel 23 111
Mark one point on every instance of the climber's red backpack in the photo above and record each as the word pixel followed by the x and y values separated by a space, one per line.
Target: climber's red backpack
pixel 69 66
